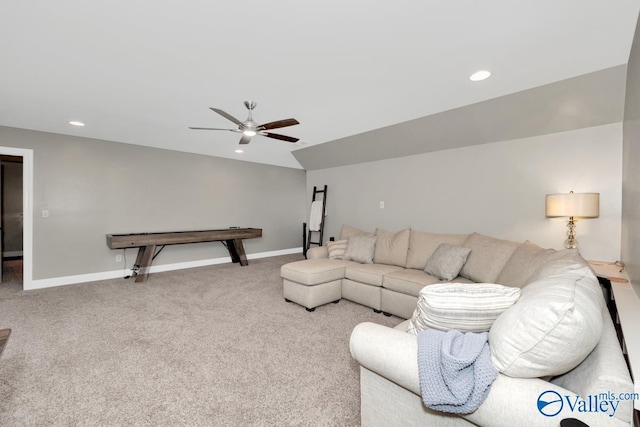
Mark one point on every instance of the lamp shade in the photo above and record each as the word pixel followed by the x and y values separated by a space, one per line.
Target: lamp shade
pixel 577 205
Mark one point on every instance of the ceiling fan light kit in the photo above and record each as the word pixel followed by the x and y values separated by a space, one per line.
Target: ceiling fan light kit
pixel 249 128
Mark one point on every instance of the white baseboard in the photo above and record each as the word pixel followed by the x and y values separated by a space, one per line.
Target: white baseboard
pixel 115 274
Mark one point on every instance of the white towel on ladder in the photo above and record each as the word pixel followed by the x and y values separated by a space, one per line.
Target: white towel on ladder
pixel 315 217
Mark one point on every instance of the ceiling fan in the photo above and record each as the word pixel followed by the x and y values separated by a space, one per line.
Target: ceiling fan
pixel 249 128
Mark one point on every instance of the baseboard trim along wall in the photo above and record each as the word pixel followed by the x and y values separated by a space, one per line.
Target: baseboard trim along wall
pixel 116 274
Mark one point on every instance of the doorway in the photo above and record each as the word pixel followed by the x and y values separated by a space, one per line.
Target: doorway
pixel 25 158
pixel 11 234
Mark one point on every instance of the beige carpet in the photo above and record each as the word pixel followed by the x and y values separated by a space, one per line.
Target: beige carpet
pixel 213 346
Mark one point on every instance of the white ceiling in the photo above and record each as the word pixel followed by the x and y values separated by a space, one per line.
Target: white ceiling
pixel 141 72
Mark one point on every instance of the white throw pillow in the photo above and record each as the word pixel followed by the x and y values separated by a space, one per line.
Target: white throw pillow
pixel 554 326
pixel 467 307
pixel 336 249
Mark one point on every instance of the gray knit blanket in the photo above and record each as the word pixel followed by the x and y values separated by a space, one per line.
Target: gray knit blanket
pixel 455 370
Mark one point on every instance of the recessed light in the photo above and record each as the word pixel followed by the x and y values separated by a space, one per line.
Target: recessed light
pixel 239 151
pixel 76 123
pixel 480 75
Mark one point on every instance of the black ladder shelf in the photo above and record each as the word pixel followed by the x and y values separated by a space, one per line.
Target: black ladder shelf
pixel 306 236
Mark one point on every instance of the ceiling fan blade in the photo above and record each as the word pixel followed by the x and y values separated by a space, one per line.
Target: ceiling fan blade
pixel 281 137
pixel 245 139
pixel 226 115
pixel 279 124
pixel 230 130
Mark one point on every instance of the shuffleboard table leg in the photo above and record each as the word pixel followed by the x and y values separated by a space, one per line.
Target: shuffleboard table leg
pixel 143 261
pixel 236 250
pixel 233 252
pixel 240 250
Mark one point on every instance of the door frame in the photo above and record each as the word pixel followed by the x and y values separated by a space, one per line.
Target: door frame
pixel 27 211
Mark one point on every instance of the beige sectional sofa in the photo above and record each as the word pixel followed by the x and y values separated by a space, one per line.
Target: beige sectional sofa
pixel 392 282
pixel 556 340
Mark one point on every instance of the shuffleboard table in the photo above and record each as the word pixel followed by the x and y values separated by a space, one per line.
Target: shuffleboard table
pixel 147 243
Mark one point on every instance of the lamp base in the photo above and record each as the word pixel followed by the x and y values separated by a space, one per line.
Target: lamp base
pixel 571 242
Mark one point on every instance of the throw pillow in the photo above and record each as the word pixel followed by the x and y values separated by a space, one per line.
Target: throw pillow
pixel 447 261
pixel 336 249
pixel 392 248
pixel 461 306
pixel 487 259
pixel 423 244
pixel 525 260
pixel 556 323
pixel 360 249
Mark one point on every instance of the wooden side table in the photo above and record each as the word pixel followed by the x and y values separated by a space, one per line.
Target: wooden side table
pixel 624 305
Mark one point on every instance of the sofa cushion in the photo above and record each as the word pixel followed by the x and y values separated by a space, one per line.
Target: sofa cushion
pixel 408 281
pixel 314 271
pixel 487 258
pixel 392 248
pixel 526 259
pixel 447 261
pixel 360 249
pixel 461 306
pixel 348 231
pixel 423 244
pixel 371 274
pixel 555 324
pixel 336 249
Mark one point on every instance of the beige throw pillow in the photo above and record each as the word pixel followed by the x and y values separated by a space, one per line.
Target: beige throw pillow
pixel 487 258
pixel 392 248
pixel 447 261
pixel 360 249
pixel 423 244
pixel 336 249
pixel 466 307
pixel 521 265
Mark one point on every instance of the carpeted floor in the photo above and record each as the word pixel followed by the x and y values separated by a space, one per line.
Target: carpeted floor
pixel 215 346
pixel 12 271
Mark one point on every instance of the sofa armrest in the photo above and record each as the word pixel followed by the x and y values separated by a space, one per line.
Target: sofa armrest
pixel 392 354
pixel 318 252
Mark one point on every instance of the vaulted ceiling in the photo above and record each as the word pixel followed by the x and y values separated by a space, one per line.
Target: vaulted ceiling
pixel 142 72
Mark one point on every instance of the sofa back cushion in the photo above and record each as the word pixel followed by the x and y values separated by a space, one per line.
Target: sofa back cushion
pixel 487 258
pixel 526 259
pixel 348 231
pixel 556 323
pixel 423 244
pixel 392 248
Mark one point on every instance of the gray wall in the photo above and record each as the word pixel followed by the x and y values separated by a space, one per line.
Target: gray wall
pixel 497 189
pixel 11 208
pixel 92 188
pixel 631 168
